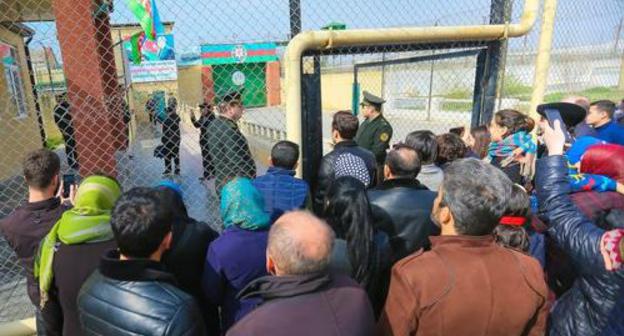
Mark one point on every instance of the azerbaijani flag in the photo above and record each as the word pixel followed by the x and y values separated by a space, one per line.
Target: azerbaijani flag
pixel 136 41
pixel 149 17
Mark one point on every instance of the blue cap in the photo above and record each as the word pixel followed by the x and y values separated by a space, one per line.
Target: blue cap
pixel 171 185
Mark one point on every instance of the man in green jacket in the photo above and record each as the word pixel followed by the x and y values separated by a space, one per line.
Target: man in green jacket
pixel 375 132
pixel 228 148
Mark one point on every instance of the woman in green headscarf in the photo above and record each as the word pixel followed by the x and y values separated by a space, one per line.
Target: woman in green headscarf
pixel 238 256
pixel 78 239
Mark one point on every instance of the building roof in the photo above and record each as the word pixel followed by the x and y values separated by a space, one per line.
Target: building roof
pixel 18 28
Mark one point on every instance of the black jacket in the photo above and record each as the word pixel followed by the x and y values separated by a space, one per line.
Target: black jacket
pixel 202 124
pixel 185 259
pixel 327 170
pixel 589 307
pixel 171 131
pixel 73 264
pixel 316 304
pixel 24 229
pixel 402 209
pixel 136 297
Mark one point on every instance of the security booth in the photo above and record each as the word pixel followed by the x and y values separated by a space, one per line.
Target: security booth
pixel 250 68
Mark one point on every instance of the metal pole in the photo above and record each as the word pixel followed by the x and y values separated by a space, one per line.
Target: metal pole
pixel 45 56
pixel 383 74
pixel 123 67
pixel 295 17
pixel 542 61
pixel 31 74
pixel 618 32
pixel 431 72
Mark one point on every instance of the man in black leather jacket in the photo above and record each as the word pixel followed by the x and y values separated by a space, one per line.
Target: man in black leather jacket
pixel 593 306
pixel 347 159
pixel 401 205
pixel 131 293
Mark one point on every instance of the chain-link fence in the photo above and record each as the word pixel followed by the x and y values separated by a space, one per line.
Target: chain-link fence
pixel 125 83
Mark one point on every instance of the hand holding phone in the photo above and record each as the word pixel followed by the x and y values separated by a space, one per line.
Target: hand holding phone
pixel 69 180
pixel 551 116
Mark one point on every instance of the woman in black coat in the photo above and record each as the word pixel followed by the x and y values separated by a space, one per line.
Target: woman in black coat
pixel 171 139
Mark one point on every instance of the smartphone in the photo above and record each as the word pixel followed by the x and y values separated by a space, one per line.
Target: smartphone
pixel 458 130
pixel 68 181
pixel 551 116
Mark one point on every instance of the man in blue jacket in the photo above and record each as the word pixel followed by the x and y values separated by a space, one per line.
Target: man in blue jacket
pixel 594 304
pixel 282 191
pixel 600 117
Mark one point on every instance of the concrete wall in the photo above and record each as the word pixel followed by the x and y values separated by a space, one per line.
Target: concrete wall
pixel 19 134
pixel 190 85
pixel 337 87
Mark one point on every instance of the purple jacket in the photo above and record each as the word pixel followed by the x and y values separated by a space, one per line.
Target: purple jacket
pixel 233 260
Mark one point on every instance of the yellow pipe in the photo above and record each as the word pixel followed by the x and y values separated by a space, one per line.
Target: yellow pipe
pixel 25 327
pixel 366 37
pixel 542 60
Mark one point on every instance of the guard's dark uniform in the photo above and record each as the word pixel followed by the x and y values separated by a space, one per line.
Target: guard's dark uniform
pixel 202 124
pixel 375 134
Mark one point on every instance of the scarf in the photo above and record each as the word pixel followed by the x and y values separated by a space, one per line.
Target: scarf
pixel 504 148
pixel 87 222
pixel 242 205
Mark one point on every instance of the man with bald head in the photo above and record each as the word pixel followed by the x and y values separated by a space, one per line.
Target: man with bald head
pixel 582 129
pixel 402 205
pixel 300 297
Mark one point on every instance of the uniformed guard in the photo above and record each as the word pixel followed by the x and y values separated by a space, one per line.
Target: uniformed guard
pixel 375 132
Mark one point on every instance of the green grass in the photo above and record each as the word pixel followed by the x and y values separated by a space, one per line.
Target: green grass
pixel 593 94
pixel 54 142
pixel 458 93
pixel 514 88
pixel 457 106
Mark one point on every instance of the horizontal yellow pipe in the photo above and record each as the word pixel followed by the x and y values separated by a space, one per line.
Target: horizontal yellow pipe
pixel 25 327
pixel 319 40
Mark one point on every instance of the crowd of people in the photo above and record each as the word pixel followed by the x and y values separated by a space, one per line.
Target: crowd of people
pixel 513 228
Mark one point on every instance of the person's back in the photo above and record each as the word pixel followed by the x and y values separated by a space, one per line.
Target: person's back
pixel 62 117
pixel 138 299
pixel 341 307
pixel 74 246
pixel 467 284
pixel 131 293
pixel 237 256
pixel 300 297
pixel 450 280
pixel 281 190
pixel 424 142
pixel 27 224
pixel 347 158
pixel 401 205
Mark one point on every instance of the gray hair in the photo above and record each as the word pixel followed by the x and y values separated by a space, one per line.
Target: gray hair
pixel 477 194
pixel 291 252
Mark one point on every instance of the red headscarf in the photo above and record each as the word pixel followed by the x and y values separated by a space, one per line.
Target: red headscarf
pixel 607 160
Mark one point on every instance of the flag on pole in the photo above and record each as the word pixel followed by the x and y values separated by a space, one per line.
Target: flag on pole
pixel 136 41
pixel 159 29
pixel 142 9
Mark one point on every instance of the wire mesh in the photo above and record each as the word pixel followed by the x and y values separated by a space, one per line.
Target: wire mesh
pixel 207 50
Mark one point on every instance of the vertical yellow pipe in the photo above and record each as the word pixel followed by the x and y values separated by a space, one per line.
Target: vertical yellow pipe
pixel 542 61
